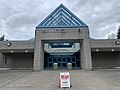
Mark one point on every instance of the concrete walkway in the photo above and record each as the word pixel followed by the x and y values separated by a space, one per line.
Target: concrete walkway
pixel 48 80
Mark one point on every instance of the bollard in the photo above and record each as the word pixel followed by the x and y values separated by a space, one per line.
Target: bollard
pixel 55 66
pixel 69 66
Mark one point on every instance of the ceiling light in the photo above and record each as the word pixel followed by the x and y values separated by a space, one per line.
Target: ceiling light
pixel 11 51
pixel 113 50
pixel 97 50
pixel 26 51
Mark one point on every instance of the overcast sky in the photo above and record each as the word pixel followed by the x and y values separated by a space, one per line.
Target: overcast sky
pixel 18 18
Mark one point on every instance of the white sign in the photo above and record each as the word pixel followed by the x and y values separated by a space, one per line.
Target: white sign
pixel 64 80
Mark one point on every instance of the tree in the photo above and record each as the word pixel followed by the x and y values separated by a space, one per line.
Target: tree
pixel 118 33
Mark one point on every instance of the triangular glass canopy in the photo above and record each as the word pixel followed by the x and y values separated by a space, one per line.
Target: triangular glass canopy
pixel 61 17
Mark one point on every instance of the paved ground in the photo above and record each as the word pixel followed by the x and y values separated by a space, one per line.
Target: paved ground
pixel 48 80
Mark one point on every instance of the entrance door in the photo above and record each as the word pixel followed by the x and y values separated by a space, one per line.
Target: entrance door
pixel 62 61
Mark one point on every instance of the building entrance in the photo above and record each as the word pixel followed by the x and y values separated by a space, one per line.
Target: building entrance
pixel 62 54
pixel 62 61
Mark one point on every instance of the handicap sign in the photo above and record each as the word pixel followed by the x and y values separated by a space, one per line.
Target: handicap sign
pixel 64 80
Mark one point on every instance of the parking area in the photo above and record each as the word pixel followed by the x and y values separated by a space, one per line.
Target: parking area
pixel 48 80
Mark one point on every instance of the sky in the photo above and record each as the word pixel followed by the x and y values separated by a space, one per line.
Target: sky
pixel 18 18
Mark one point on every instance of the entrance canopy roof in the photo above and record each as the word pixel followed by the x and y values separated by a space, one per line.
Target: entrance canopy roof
pixel 61 17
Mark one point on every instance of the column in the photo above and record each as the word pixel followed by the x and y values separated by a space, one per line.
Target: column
pixel 38 55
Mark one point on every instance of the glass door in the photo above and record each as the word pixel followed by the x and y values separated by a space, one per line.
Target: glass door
pixel 62 61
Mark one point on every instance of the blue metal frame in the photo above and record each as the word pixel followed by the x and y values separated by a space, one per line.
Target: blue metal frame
pixel 61 17
pixel 62 61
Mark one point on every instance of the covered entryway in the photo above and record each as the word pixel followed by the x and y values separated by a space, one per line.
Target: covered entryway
pixel 106 60
pixel 62 61
pixel 62 53
pixel 18 60
pixel 16 54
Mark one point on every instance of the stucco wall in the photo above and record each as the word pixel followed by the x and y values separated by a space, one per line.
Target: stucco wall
pixel 104 43
pixel 16 46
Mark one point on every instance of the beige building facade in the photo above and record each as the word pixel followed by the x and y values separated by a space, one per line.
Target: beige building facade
pixel 61 39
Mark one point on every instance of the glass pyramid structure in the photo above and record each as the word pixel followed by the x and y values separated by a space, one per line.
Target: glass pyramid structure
pixel 61 17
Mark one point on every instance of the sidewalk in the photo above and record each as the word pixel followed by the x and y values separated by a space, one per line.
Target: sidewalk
pixel 48 80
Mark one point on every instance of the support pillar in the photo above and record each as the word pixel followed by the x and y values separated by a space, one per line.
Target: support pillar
pixel 38 54
pixel 86 62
